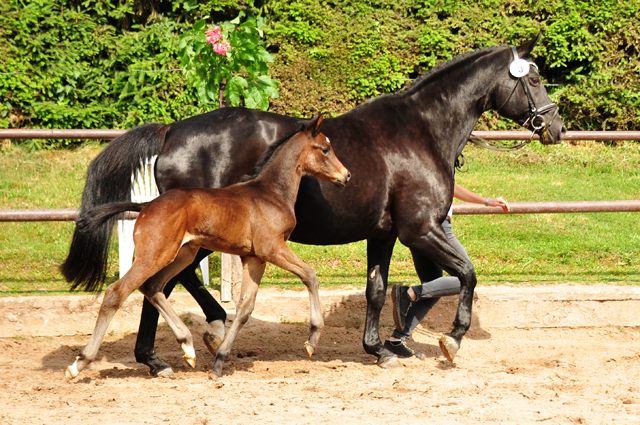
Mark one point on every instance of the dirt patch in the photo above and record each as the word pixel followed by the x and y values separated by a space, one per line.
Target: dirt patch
pixel 587 375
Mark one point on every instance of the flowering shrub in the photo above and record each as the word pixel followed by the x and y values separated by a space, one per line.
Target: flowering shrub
pixel 230 51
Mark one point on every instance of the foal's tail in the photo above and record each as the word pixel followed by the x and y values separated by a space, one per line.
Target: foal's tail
pixel 95 218
pixel 108 181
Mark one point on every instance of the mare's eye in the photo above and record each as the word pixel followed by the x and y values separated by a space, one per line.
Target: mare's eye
pixel 325 151
pixel 534 81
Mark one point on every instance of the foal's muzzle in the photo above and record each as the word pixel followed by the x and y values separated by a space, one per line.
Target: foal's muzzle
pixel 342 178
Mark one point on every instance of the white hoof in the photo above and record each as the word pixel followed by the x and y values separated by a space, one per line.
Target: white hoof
pixel 213 336
pixel 189 355
pixel 449 347
pixel 308 349
pixel 72 371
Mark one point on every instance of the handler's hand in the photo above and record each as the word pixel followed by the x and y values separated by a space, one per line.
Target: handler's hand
pixel 499 202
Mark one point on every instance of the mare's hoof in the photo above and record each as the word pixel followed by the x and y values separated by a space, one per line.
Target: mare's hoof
pixel 449 347
pixel 164 373
pixel 390 362
pixel 308 349
pixel 213 336
pixel 212 342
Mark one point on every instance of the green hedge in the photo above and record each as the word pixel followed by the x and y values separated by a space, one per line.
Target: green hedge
pixel 80 62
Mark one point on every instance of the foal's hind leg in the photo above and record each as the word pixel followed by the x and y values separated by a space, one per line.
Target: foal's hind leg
pixel 252 271
pixel 114 296
pixel 152 290
pixel 284 258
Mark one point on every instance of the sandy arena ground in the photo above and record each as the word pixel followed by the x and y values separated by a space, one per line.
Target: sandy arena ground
pixel 523 375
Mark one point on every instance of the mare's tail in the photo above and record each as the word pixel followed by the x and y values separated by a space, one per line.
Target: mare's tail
pixel 108 181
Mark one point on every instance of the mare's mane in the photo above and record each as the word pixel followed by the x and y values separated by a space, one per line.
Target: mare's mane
pixel 446 66
pixel 437 72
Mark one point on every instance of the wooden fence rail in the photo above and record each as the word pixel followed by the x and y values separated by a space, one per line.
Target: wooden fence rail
pixel 561 207
pixel 22 133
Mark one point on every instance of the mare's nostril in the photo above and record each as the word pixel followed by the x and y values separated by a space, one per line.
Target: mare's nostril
pixel 348 176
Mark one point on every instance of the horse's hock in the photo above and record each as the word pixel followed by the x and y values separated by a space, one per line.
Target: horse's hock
pixel 494 307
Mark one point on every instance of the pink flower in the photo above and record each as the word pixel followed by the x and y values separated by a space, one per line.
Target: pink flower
pixel 213 34
pixel 222 47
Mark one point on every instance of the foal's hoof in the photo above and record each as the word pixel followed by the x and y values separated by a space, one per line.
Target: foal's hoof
pixel 308 349
pixel 390 362
pixel 191 361
pixel 189 355
pixel 449 346
pixel 71 372
pixel 216 370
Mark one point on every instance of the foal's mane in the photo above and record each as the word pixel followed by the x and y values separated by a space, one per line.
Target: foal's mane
pixel 266 156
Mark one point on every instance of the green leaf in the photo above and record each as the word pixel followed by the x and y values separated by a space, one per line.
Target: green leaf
pixel 234 91
pixel 190 5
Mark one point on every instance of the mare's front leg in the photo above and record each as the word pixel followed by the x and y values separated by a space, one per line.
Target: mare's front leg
pixel 379 253
pixel 252 271
pixel 434 244
pixel 284 258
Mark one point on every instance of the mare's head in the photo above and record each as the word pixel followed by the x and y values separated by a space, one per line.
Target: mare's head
pixel 318 158
pixel 521 96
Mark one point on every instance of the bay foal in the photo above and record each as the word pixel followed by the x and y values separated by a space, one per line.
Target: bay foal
pixel 253 219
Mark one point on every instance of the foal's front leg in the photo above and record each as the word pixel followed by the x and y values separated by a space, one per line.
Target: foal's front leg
pixel 284 258
pixel 252 271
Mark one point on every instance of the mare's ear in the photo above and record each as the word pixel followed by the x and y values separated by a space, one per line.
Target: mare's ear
pixel 525 48
pixel 315 125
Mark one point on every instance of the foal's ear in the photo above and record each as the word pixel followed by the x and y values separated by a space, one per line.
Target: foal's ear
pixel 315 125
pixel 525 48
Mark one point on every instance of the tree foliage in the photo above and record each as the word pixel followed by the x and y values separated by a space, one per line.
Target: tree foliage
pixel 82 63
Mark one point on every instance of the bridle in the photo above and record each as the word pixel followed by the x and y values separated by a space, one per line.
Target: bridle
pixel 519 68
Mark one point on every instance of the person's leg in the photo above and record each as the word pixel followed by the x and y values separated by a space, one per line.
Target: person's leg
pixel 429 292
pixel 427 271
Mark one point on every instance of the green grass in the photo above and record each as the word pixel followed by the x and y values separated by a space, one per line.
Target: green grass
pixel 515 249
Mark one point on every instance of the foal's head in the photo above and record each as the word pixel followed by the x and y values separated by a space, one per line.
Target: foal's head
pixel 318 158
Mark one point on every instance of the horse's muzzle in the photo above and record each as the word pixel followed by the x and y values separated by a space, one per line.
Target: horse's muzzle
pixel 547 136
pixel 342 178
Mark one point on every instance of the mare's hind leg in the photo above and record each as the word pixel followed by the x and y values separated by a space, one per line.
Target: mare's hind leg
pixel 284 258
pixel 114 296
pixel 252 271
pixel 435 245
pixel 152 290
pixel 379 253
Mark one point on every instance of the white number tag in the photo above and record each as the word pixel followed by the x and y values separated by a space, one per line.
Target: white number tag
pixel 519 68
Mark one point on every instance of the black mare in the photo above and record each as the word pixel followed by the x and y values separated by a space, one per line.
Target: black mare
pixel 400 149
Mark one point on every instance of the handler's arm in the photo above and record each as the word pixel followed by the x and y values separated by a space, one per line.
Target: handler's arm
pixel 466 195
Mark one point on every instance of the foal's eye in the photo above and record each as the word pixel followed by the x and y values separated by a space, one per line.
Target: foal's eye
pixel 325 151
